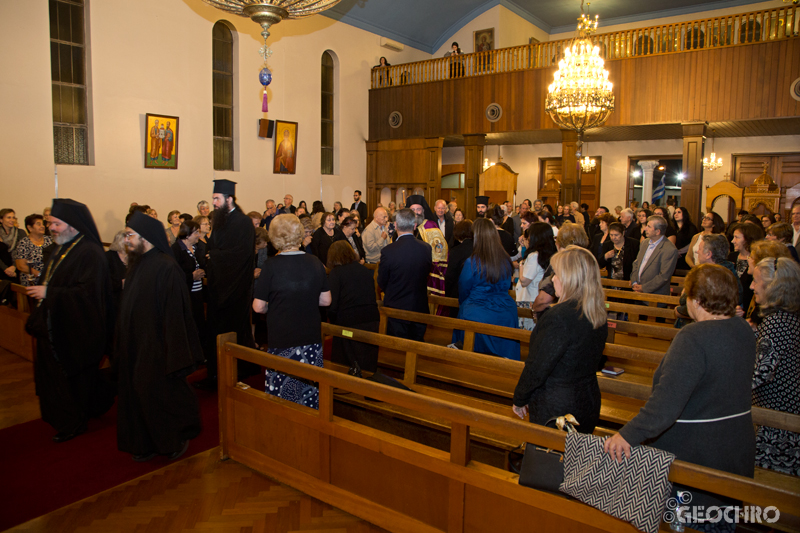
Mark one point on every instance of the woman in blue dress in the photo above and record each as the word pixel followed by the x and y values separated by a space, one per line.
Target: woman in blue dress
pixel 483 291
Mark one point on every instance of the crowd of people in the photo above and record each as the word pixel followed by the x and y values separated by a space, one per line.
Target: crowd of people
pixel 157 299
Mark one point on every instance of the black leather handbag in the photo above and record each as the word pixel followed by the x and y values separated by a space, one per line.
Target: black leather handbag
pixel 543 468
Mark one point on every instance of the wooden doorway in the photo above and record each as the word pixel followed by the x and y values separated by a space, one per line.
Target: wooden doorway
pixel 550 169
pixel 452 185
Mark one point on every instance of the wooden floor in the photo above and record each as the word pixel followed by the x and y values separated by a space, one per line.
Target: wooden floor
pixel 200 493
pixel 18 402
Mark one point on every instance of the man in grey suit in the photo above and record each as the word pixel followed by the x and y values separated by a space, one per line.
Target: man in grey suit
pixel 523 208
pixel 656 262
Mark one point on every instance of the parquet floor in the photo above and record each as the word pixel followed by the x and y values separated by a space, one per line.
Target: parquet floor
pixel 200 493
pixel 18 402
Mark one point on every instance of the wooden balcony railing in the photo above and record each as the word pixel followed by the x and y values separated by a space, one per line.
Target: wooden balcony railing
pixel 718 32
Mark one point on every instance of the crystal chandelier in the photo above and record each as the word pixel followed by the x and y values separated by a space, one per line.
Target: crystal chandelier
pixel 269 12
pixel 588 165
pixel 580 96
pixel 713 163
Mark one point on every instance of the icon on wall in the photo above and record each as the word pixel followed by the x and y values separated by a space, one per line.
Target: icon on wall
pixel 161 141
pixel 285 148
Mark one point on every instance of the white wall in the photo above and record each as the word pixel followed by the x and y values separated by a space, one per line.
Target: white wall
pixel 152 56
pixel 464 36
pixel 524 159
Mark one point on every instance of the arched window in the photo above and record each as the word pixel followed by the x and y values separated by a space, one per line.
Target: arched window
pixel 326 141
pixel 68 73
pixel 222 50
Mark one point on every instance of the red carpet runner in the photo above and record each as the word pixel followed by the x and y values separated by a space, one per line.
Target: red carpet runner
pixel 40 476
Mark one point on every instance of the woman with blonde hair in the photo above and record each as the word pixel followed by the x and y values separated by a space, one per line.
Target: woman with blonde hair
pixel 776 286
pixel 291 288
pixel 566 348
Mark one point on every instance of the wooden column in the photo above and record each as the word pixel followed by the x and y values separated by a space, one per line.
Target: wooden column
pixel 473 163
pixel 433 169
pixel 692 183
pixel 570 177
pixel 372 193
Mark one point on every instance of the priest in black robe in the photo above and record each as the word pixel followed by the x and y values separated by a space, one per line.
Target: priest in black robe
pixel 229 269
pixel 157 347
pixel 72 322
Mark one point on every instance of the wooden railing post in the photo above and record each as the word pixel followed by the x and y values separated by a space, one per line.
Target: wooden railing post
pixel 226 379
pixel 410 375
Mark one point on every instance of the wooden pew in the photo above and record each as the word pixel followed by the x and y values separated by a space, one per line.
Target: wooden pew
pixel 13 336
pixel 411 486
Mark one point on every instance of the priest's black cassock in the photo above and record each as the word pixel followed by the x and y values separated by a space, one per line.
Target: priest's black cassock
pixel 73 325
pixel 231 250
pixel 157 347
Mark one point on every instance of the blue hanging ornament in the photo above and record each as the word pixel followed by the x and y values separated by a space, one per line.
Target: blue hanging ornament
pixel 265 77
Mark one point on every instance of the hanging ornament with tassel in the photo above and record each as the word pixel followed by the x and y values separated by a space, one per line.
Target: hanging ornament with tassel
pixel 265 76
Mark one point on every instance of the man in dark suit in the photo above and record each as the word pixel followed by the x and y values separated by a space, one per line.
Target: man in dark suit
pixel 444 221
pixel 403 276
pixel 359 206
pixel 656 260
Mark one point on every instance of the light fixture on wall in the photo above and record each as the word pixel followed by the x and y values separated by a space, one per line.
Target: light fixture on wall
pixel 713 163
pixel 580 96
pixel 269 12
pixel 487 164
pixel 588 165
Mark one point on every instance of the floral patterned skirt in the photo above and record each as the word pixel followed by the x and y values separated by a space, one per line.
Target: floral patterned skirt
pixel 292 389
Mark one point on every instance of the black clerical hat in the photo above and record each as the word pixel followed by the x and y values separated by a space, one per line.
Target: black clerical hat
pixel 151 230
pixel 227 187
pixel 76 215
pixel 482 200
pixel 419 199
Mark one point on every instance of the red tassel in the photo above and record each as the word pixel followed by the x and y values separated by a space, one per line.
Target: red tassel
pixel 264 106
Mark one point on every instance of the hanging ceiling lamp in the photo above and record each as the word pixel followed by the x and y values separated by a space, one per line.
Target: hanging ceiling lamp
pixel 714 163
pixel 580 96
pixel 269 12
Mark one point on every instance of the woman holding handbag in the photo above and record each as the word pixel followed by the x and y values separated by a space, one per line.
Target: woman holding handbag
pixel 566 348
pixel 699 409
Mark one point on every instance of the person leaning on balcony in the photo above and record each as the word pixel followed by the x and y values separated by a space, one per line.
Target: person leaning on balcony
pixel 456 64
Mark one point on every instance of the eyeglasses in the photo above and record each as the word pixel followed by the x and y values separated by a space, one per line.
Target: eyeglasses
pixel 131 234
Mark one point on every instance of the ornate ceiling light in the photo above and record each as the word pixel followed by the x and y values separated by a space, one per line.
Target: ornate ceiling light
pixel 714 163
pixel 580 96
pixel 588 165
pixel 269 12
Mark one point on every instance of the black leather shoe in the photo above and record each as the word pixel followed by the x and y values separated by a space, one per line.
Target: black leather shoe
pixel 144 457
pixel 64 436
pixel 175 455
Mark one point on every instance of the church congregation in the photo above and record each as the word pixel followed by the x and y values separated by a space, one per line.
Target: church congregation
pixel 441 267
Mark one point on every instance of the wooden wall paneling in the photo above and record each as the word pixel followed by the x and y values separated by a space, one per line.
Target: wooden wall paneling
pixel 473 162
pixel 373 191
pixel 590 186
pixel 549 170
pixel 433 168
pixel 570 179
pixel 692 183
pixel 671 88
pixel 748 167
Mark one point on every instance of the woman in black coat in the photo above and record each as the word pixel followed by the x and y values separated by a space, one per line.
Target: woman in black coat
pixel 566 346
pixel 186 255
pixel 353 304
pixel 325 236
pixel 618 253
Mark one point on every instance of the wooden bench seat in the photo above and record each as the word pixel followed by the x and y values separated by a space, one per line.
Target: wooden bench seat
pixel 409 485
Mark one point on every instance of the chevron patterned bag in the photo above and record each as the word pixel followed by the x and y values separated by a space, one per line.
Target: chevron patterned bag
pixel 635 490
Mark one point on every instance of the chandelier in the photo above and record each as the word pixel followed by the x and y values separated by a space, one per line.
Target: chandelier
pixel 269 12
pixel 588 165
pixel 580 96
pixel 713 163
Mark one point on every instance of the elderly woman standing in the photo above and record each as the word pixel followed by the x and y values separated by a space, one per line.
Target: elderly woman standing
pixel 291 288
pixel 28 254
pixel 699 408
pixel 566 346
pixel 776 284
